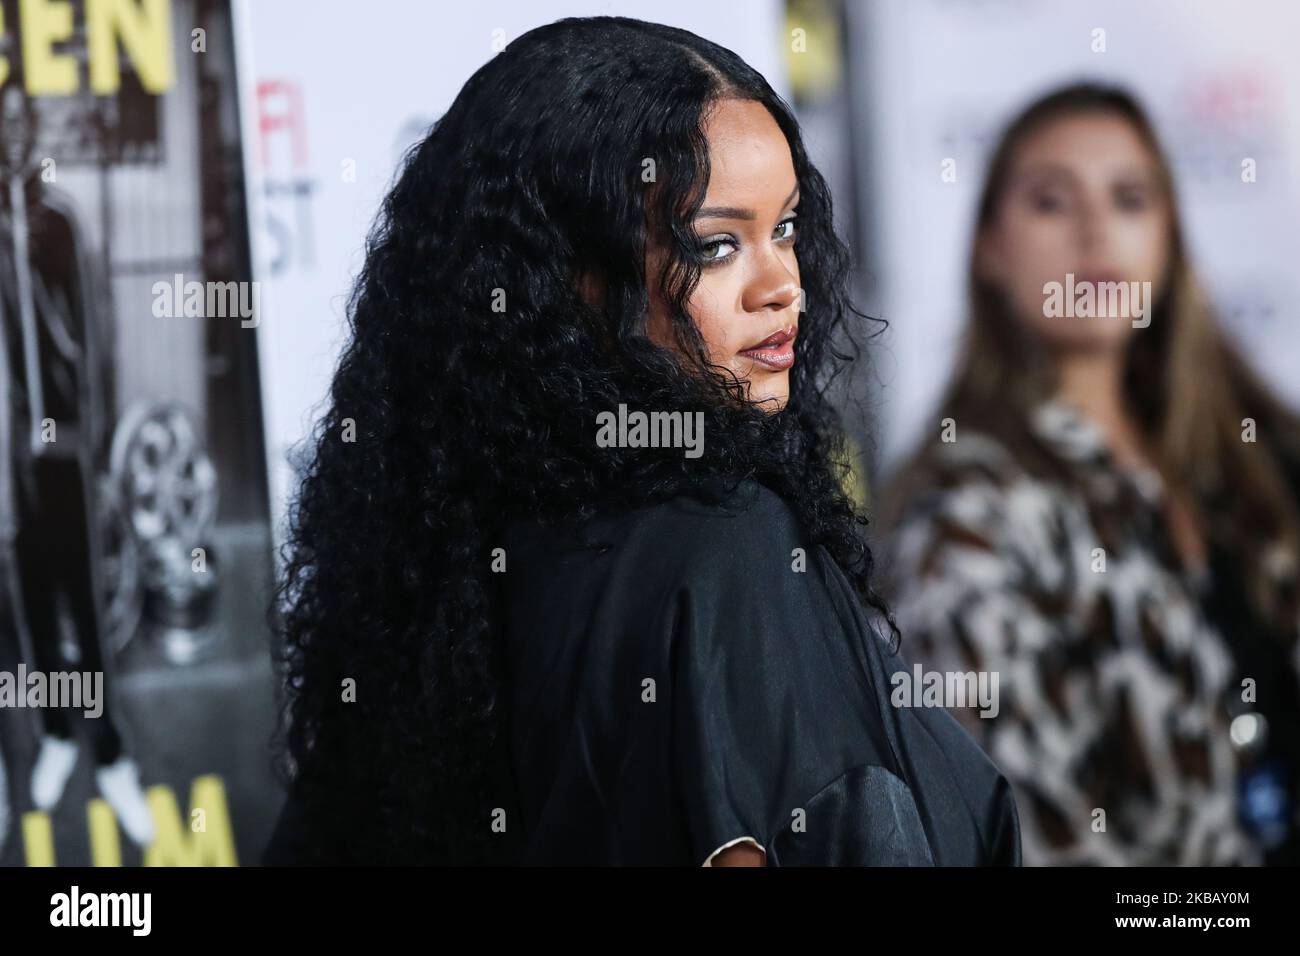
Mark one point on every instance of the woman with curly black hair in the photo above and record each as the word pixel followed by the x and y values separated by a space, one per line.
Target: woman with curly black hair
pixel 572 576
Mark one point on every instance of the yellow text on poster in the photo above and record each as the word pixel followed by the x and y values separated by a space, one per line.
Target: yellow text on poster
pixel 141 28
pixel 206 841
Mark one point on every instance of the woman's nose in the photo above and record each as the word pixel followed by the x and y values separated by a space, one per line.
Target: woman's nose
pixel 774 289
pixel 1093 226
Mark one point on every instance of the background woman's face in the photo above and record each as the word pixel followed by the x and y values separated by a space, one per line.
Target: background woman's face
pixel 746 305
pixel 1084 196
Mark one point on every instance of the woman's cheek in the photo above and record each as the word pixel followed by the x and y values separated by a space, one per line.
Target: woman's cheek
pixel 1036 271
pixel 1145 249
pixel 714 328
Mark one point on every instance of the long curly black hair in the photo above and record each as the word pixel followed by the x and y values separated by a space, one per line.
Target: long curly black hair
pixel 468 394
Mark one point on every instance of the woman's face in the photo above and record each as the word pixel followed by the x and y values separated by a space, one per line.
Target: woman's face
pixel 746 305
pixel 1085 199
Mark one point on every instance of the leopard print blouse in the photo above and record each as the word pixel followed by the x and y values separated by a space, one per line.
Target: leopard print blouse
pixel 1112 723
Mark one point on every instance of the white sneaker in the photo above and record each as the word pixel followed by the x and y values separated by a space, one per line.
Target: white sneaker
pixel 119 783
pixel 53 768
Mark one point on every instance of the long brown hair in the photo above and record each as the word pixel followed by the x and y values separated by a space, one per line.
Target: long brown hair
pixel 1189 389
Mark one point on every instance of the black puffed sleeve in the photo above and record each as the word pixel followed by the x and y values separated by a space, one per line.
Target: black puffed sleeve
pixel 776 730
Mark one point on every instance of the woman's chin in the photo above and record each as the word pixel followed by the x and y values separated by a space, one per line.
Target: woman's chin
pixel 770 399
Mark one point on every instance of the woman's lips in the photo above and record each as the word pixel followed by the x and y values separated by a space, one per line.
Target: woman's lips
pixel 776 352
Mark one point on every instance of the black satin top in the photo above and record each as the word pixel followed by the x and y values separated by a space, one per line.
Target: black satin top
pixel 691 675
pixel 685 676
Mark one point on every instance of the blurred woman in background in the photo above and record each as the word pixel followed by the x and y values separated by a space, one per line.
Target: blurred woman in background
pixel 1107 515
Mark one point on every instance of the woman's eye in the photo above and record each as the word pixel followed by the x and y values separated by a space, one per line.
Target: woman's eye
pixel 1132 200
pixel 1047 202
pixel 716 250
pixel 785 229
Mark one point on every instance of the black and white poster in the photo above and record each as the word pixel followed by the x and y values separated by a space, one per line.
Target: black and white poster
pixel 135 685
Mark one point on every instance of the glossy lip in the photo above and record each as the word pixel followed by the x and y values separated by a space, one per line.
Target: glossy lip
pixel 776 352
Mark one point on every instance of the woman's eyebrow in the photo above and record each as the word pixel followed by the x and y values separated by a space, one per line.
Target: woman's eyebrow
pixel 1143 175
pixel 1047 171
pixel 1051 173
pixel 735 212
